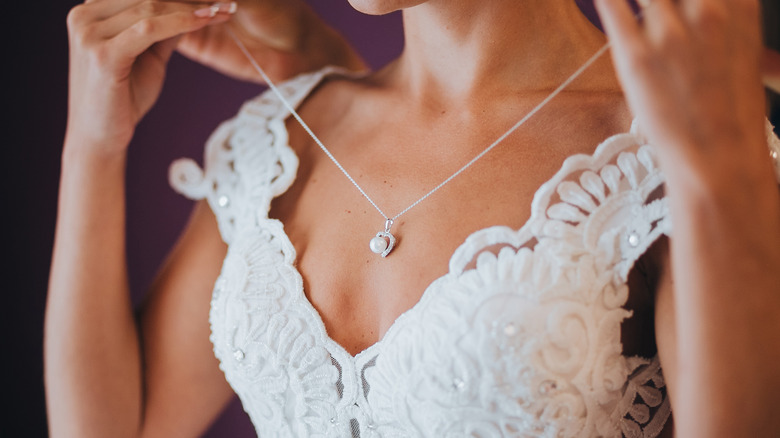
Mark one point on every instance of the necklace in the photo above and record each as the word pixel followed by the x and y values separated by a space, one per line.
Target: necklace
pixel 385 241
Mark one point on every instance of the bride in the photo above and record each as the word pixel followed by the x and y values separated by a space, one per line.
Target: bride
pixel 454 245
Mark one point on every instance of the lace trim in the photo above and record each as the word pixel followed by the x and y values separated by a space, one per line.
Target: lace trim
pixel 644 408
pixel 774 148
pixel 248 160
pixel 568 264
pixel 600 197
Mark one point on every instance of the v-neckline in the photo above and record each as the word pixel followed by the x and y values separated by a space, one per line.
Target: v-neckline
pixel 465 252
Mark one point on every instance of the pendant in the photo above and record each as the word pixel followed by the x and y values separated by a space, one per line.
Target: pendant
pixel 383 242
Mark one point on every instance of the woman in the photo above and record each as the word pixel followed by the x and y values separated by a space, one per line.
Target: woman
pixel 541 331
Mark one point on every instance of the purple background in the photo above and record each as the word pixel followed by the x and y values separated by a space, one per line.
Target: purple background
pixel 192 104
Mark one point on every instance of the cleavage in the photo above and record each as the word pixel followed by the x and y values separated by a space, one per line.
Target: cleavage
pixel 357 293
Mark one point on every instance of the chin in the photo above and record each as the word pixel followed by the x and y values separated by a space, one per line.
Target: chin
pixel 381 7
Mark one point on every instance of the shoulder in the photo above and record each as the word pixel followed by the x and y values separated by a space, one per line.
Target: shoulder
pixel 279 100
pixel 247 159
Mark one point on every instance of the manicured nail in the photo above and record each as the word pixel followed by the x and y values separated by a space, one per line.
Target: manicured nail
pixel 214 9
pixel 209 12
pixel 232 7
pixel 226 7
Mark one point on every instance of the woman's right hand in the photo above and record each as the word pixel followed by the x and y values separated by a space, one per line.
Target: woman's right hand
pixel 286 37
pixel 119 50
pixel 107 375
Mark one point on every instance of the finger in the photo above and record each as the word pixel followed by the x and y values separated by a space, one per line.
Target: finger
pixel 164 49
pixel 692 6
pixel 136 39
pixel 620 25
pixel 92 12
pixel 102 9
pixel 630 51
pixel 663 22
pixel 704 10
pixel 114 25
pixel 696 8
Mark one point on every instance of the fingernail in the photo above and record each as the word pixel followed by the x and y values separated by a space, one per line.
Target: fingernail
pixel 226 7
pixel 214 9
pixel 209 12
pixel 232 7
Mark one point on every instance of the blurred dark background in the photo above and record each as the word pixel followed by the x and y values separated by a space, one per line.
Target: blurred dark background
pixel 195 100
pixel 772 37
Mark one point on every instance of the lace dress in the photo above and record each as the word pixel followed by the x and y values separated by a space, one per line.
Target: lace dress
pixel 526 344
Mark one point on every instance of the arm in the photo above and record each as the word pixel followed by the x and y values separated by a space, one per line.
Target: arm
pixel 93 359
pixel 692 74
pixel 98 382
pixel 184 389
pixel 105 376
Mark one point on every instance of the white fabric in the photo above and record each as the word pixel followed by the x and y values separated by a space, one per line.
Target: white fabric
pixel 527 344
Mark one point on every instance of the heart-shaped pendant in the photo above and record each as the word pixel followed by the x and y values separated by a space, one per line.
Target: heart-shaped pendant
pixel 383 242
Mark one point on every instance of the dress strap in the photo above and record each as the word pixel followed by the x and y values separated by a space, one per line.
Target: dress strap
pixel 247 159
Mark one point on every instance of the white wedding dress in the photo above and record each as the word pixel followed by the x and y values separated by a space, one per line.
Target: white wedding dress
pixel 527 344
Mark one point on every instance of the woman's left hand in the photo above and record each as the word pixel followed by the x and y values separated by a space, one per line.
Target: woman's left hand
pixel 691 71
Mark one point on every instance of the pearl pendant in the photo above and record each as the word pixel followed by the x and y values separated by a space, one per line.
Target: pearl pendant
pixel 378 245
pixel 383 242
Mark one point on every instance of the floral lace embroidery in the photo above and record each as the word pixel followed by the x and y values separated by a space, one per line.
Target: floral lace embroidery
pixel 526 344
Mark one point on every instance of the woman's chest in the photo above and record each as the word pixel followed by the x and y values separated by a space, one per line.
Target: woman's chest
pixel 527 342
pixel 331 220
pixel 522 341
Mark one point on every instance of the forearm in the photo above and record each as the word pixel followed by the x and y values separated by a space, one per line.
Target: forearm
pixel 92 359
pixel 725 255
pixel 691 72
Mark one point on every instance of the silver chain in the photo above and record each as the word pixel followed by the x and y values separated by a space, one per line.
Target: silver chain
pixel 389 219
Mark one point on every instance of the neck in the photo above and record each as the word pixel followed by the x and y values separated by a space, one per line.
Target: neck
pixel 463 49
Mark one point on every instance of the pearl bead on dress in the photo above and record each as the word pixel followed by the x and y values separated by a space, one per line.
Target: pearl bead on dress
pixel 633 239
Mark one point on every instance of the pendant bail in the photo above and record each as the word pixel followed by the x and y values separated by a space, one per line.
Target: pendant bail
pixel 388 224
